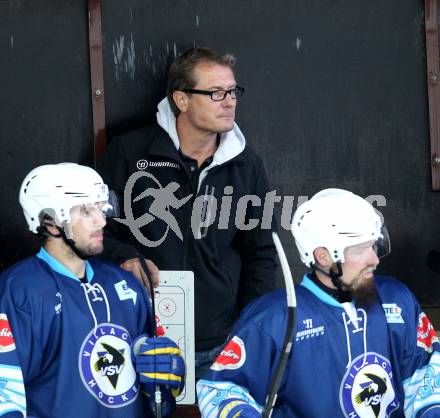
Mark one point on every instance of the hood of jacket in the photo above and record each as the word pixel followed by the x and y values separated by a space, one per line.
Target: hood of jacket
pixel 232 143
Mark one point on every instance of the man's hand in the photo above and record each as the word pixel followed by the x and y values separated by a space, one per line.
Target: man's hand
pixel 134 266
pixel 159 362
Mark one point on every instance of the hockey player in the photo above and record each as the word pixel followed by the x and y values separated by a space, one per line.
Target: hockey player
pixel 363 346
pixel 68 321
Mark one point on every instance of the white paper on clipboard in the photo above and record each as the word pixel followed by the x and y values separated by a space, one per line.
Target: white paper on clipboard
pixel 174 303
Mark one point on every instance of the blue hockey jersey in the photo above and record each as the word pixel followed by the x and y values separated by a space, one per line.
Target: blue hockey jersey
pixel 69 343
pixel 381 361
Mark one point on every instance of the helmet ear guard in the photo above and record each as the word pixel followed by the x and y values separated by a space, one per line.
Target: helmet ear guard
pixel 336 219
pixel 46 218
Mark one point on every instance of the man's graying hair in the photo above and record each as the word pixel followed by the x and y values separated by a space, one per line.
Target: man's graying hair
pixel 181 73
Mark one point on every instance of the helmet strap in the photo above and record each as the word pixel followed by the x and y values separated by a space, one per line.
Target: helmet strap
pixel 43 231
pixel 71 243
pixel 335 276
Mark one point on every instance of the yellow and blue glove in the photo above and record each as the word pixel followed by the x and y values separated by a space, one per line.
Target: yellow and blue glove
pixel 159 362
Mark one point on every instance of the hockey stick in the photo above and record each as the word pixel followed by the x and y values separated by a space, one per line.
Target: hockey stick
pixel 157 393
pixel 290 328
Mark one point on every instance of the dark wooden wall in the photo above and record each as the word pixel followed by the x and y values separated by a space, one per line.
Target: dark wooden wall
pixel 45 111
pixel 335 97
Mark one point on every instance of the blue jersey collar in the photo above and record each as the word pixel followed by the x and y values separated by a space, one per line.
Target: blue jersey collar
pixel 319 293
pixel 59 268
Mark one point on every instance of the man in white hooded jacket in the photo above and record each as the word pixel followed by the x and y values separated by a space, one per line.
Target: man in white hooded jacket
pixel 211 187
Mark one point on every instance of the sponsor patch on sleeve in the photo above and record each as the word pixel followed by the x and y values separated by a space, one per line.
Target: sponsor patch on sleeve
pixel 7 342
pixel 393 313
pixel 124 292
pixel 426 335
pixel 232 357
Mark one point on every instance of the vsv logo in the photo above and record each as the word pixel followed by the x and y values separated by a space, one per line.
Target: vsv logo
pixel 367 389
pixel 374 400
pixel 106 368
pixel 111 370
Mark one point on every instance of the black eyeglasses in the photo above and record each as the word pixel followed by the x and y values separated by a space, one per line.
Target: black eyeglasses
pixel 218 95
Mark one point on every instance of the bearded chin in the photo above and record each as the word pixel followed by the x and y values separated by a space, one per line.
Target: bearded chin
pixel 89 251
pixel 95 250
pixel 365 293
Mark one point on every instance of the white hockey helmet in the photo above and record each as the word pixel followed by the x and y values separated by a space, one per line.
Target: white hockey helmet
pixel 336 219
pixel 54 189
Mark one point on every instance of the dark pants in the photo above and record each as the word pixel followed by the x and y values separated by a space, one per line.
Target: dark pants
pixel 204 359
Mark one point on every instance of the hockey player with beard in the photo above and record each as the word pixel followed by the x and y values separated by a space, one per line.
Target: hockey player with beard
pixel 362 347
pixel 69 321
